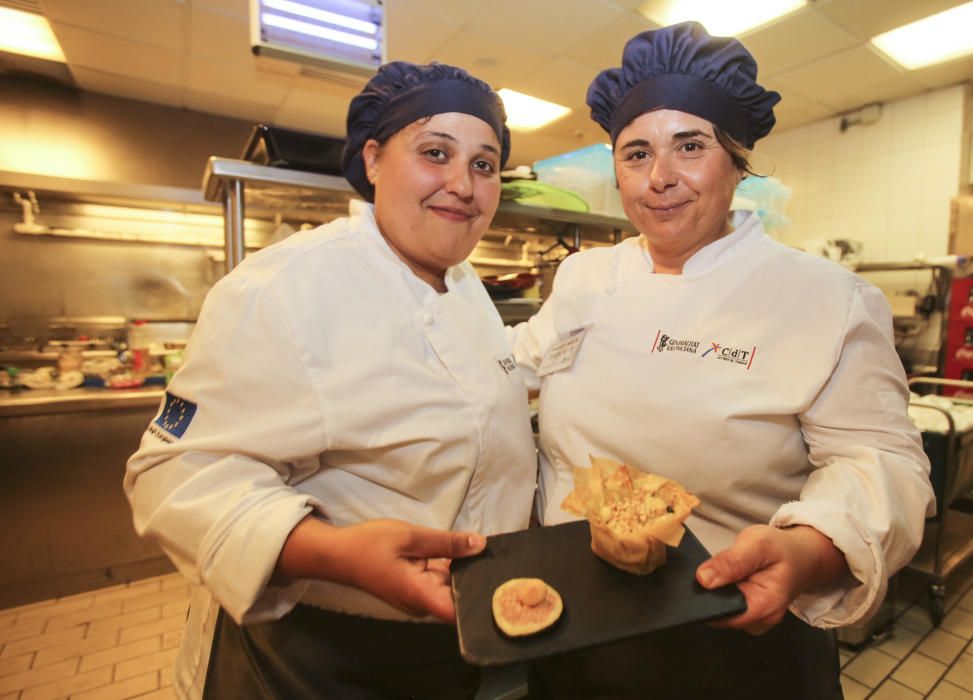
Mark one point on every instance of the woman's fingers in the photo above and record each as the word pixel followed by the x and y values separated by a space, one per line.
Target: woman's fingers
pixel 743 558
pixel 761 565
pixel 428 543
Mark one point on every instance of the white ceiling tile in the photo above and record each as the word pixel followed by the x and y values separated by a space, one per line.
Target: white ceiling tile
pixel 455 11
pixel 488 57
pixel 233 8
pixel 111 54
pixel 220 105
pixel 576 127
pixel 945 74
pixel 550 25
pixel 316 86
pixel 847 79
pixel 800 38
pixel 415 35
pixel 869 18
pixel 561 80
pixel 220 36
pixel 122 86
pixel 794 110
pixel 632 5
pixel 158 22
pixel 321 109
pixel 280 66
pixel 238 81
pixel 603 47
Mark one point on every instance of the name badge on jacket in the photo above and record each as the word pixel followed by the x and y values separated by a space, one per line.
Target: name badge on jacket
pixel 507 363
pixel 562 353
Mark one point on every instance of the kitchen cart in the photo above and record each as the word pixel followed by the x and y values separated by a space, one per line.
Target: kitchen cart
pixel 948 539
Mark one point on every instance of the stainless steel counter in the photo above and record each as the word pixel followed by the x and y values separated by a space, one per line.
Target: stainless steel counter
pixel 29 402
pixel 65 524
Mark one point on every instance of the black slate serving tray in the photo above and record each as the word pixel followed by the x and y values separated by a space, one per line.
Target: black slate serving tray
pixel 601 603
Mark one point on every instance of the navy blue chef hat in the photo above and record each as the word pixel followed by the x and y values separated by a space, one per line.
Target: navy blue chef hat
pixel 682 67
pixel 401 93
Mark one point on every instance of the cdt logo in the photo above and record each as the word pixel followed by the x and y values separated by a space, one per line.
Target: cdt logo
pixel 737 356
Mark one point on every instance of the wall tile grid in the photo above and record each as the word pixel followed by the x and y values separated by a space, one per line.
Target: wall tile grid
pixel 886 184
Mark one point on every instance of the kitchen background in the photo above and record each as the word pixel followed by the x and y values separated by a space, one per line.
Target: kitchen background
pixel 103 222
pixel 151 88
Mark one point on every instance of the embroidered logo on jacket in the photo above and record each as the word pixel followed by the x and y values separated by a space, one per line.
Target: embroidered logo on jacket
pixel 175 417
pixel 664 342
pixel 740 356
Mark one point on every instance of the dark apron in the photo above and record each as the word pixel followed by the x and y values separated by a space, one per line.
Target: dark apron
pixel 313 653
pixel 792 661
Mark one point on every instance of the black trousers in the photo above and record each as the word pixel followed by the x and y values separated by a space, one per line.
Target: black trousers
pixel 313 653
pixel 793 661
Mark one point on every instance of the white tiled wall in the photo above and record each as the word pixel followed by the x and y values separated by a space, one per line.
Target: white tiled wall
pixel 886 184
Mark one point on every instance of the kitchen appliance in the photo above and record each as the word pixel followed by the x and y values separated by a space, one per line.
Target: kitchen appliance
pixel 295 150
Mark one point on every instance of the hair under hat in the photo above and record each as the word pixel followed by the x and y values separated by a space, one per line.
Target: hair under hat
pixel 682 67
pixel 401 93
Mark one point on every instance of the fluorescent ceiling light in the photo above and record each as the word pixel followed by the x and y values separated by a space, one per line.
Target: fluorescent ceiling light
pixel 301 10
pixel 720 17
pixel 526 113
pixel 28 34
pixel 942 37
pixel 296 25
pixel 345 36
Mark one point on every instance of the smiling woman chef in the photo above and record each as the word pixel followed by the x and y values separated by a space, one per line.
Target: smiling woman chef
pixel 347 375
pixel 762 379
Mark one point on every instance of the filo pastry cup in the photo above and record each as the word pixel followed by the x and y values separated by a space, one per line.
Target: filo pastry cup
pixel 633 515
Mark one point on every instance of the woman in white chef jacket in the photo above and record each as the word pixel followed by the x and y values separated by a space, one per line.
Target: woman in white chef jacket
pixel 346 414
pixel 761 378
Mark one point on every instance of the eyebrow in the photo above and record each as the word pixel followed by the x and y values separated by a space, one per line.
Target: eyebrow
pixel 692 133
pixel 678 136
pixel 450 137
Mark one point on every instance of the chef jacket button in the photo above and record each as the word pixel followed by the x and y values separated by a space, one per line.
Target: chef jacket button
pixel 428 319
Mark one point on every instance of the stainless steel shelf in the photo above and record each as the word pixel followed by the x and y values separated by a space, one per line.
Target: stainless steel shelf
pixel 30 402
pixel 239 184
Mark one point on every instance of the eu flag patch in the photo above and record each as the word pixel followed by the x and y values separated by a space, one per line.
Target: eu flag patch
pixel 176 415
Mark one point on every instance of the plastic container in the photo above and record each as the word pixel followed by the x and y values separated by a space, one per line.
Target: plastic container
pixel 589 172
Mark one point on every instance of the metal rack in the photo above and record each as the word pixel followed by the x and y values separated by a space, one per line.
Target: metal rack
pixel 239 185
pixel 942 277
pixel 948 538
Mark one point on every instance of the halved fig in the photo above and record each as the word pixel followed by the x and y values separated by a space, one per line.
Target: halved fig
pixel 523 606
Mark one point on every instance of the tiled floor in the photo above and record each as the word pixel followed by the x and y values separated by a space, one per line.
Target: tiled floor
pixel 110 644
pixel 121 642
pixel 916 660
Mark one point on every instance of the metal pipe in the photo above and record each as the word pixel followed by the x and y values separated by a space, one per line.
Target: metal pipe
pixel 233 214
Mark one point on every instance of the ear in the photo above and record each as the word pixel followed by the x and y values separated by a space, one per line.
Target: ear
pixel 370 155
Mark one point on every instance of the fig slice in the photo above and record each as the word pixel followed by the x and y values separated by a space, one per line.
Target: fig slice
pixel 523 606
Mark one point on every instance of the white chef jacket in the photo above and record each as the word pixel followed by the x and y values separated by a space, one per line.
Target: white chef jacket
pixel 324 375
pixel 763 379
